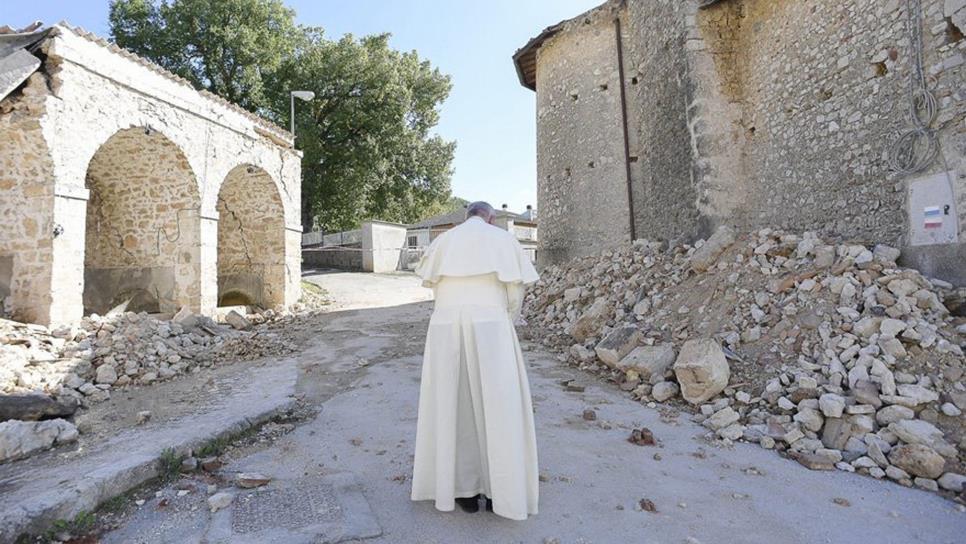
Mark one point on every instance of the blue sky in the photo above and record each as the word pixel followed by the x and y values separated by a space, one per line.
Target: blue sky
pixel 488 113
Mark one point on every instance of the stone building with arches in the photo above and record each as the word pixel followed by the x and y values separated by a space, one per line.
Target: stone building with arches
pixel 121 182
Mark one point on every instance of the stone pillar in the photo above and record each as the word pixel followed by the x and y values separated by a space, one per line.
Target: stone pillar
pixel 293 265
pixel 66 236
pixel 208 257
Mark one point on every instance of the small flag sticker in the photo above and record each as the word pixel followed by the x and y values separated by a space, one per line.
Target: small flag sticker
pixel 932 217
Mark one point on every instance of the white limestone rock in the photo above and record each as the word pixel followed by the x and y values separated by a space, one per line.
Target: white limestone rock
pixel 702 370
pixel 918 460
pixel 663 391
pixel 20 439
pixel 832 405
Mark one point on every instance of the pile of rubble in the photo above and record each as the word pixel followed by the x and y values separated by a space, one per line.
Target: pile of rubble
pixel 49 373
pixel 829 352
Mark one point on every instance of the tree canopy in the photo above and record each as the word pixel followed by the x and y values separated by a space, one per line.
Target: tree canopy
pixel 368 141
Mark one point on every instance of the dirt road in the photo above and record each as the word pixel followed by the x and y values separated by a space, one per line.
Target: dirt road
pixel 343 473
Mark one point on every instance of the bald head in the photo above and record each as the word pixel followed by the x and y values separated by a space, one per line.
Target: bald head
pixel 482 210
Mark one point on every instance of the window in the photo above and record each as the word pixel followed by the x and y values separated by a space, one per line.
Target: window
pixel 413 240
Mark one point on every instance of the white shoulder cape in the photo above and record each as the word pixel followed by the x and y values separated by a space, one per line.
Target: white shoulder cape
pixel 475 248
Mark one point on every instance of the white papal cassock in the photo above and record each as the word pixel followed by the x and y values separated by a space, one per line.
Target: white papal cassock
pixel 475 430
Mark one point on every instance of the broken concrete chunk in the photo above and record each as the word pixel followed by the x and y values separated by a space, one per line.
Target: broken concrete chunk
pixel 649 361
pixel 707 255
pixel 238 321
pixel 617 345
pixel 702 370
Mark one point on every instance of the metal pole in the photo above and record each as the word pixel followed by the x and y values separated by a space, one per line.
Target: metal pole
pixel 627 143
pixel 291 98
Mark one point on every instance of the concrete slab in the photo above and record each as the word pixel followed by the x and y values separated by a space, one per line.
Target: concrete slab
pixel 58 486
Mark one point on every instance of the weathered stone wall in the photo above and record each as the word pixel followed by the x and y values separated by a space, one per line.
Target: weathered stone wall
pixel 142 223
pixel 818 92
pixel 754 113
pixel 251 239
pixel 581 184
pixel 659 92
pixel 26 201
pixel 90 92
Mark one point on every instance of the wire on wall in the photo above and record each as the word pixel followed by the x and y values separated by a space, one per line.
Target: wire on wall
pixel 917 148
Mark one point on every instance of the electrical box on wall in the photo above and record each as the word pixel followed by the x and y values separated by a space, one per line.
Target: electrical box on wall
pixel 932 210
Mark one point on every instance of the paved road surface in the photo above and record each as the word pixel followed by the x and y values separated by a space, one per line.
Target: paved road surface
pixel 345 473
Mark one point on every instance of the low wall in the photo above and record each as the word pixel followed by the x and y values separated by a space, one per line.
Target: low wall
pixel 342 258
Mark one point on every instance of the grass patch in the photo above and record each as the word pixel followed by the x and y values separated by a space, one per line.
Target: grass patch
pixel 114 504
pixel 214 447
pixel 82 524
pixel 218 446
pixel 170 465
pixel 314 296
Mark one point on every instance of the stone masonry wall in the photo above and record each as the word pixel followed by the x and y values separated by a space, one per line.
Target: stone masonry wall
pixel 142 221
pixel 86 92
pixel 824 93
pixel 659 91
pixel 25 201
pixel 581 184
pixel 251 241
pixel 756 113
pixel 820 93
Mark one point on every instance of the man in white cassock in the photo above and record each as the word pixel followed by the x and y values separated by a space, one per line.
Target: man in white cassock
pixel 475 437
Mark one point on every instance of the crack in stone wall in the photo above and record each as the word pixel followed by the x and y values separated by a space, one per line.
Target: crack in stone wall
pixel 52 128
pixel 141 223
pixel 757 113
pixel 251 239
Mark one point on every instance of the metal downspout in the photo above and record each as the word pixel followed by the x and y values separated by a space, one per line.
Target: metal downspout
pixel 627 143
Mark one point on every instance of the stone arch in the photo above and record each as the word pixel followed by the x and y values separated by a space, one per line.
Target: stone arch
pixel 251 239
pixel 142 225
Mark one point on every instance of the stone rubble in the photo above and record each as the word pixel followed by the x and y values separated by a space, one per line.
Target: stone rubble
pixel 81 365
pixel 20 439
pixel 826 351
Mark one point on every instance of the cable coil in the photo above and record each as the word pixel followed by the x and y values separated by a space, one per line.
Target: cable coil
pixel 917 147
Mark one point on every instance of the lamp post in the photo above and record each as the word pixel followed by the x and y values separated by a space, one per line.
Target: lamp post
pixel 301 95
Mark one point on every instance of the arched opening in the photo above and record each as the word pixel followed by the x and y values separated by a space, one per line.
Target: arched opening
pixel 142 238
pixel 251 240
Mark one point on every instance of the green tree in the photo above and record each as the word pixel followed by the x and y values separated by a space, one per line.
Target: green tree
pixel 368 140
pixel 224 46
pixel 450 205
pixel 367 136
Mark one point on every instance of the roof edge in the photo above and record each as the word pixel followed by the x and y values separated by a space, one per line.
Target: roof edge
pixel 259 121
pixel 524 60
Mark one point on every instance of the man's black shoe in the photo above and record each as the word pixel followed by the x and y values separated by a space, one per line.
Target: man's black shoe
pixel 470 505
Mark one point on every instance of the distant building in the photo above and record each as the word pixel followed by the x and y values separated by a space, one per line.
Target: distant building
pixel 523 225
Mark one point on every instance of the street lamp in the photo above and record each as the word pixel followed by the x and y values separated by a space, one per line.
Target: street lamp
pixel 301 95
